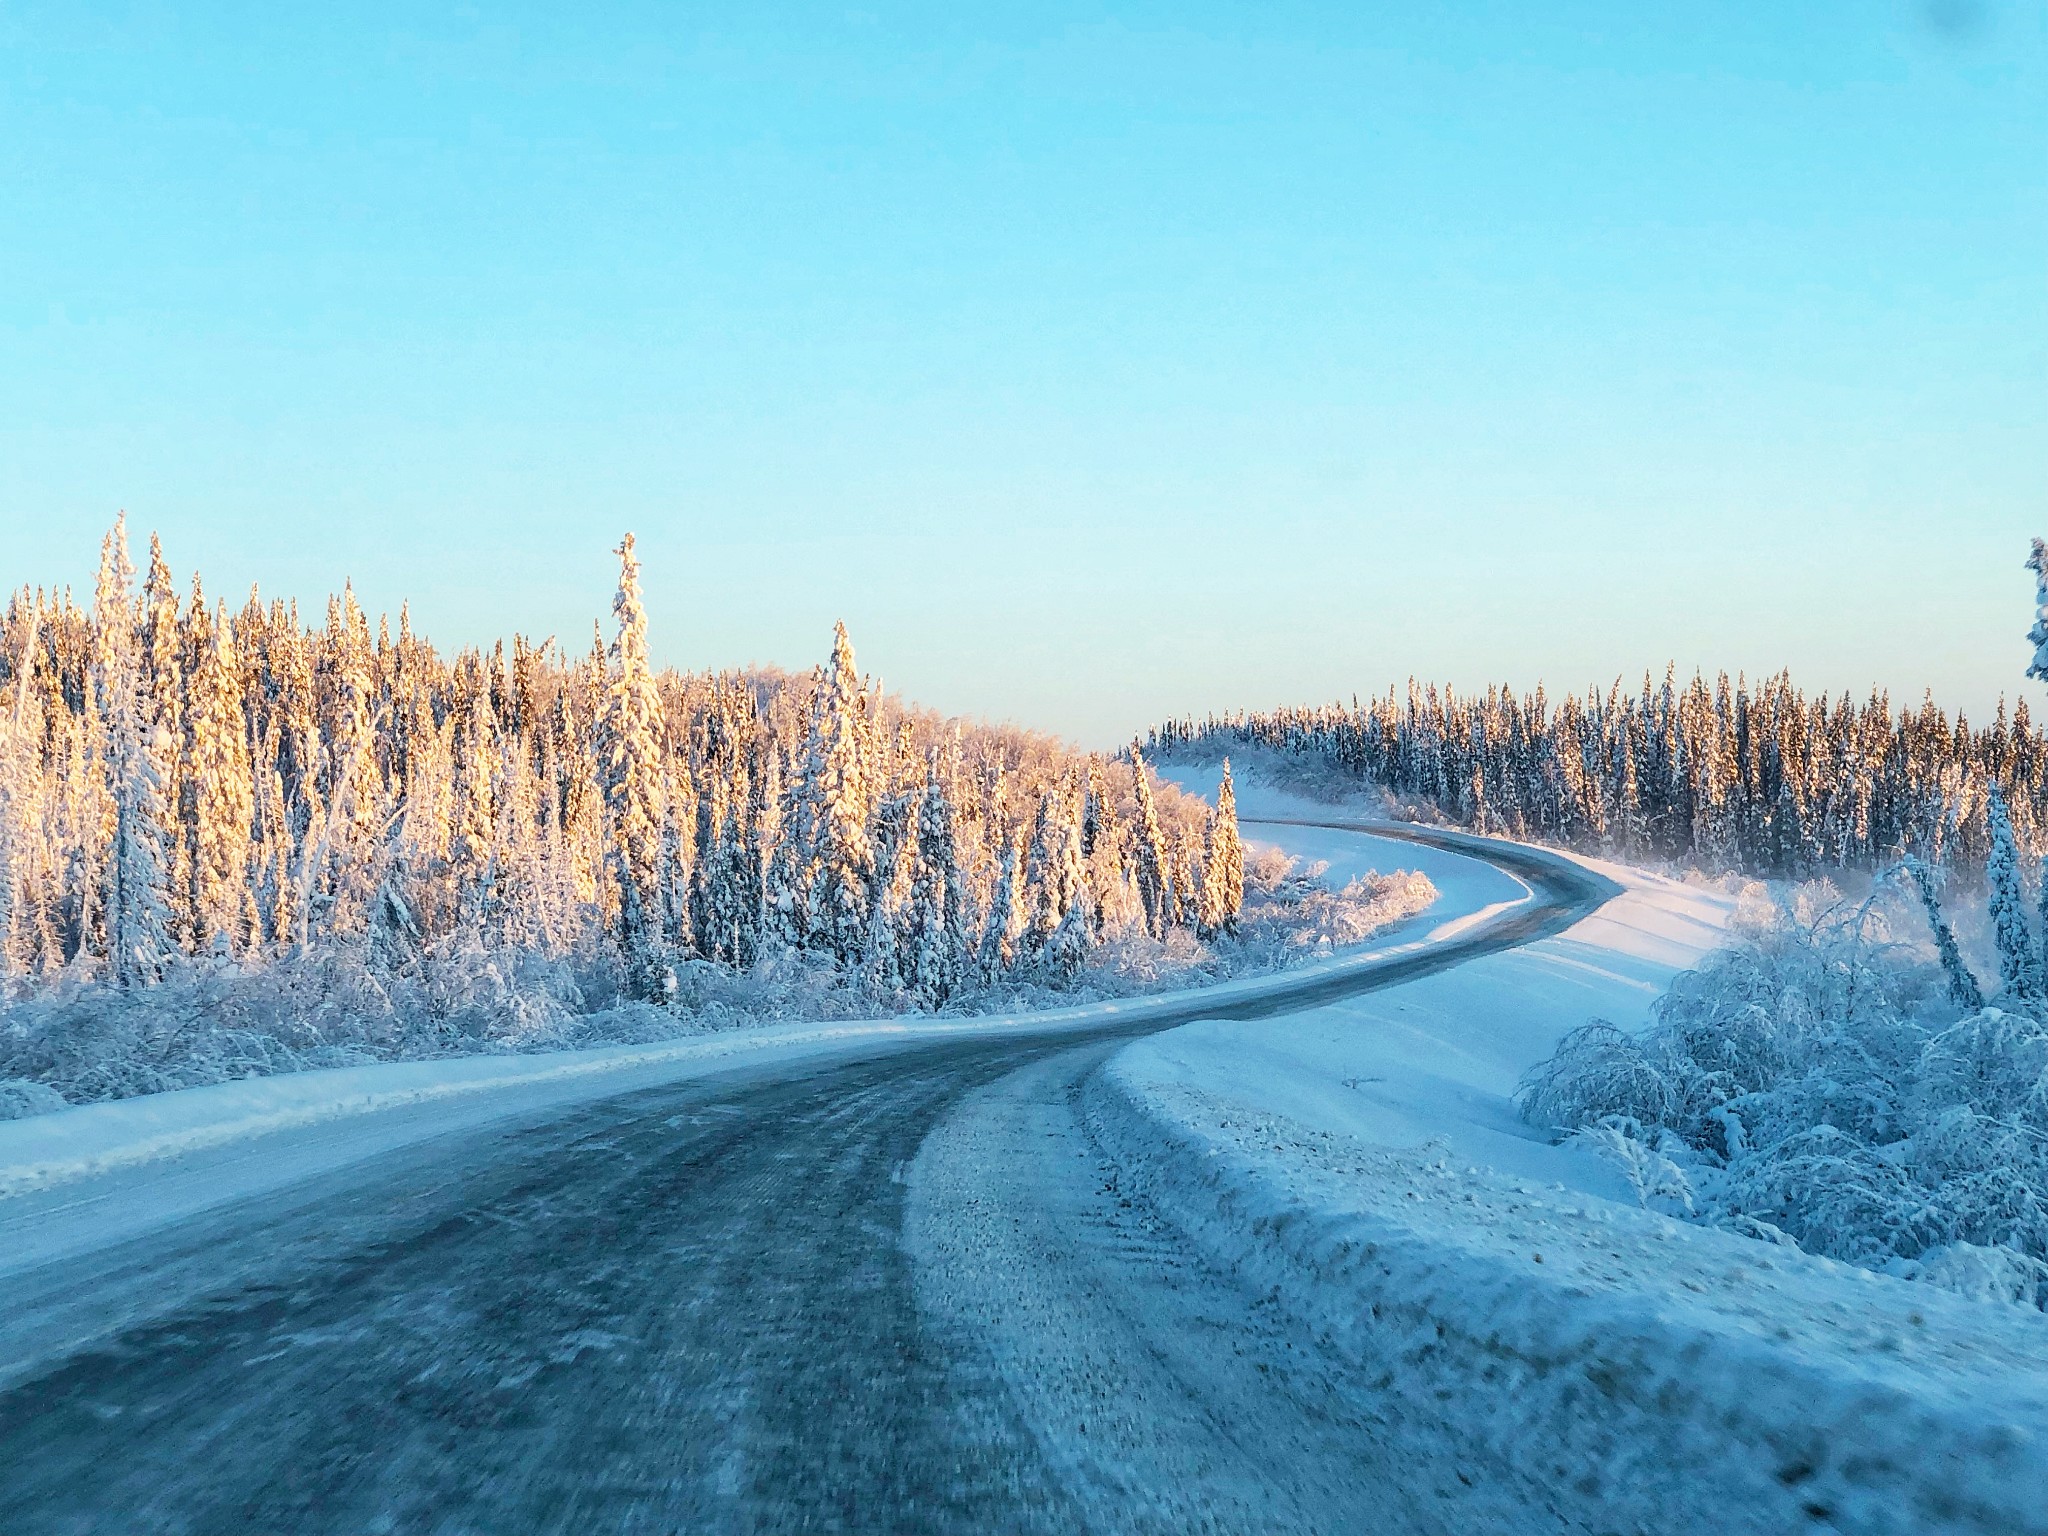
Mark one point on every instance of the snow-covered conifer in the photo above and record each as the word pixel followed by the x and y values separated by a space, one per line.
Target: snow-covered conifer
pixel 221 787
pixel 137 910
pixel 676 873
pixel 728 877
pixel 1004 918
pixel 1222 883
pixel 832 803
pixel 709 914
pixel 478 765
pixel 1629 820
pixel 1153 860
pixel 163 682
pixel 345 866
pixel 633 782
pixel 1096 815
pixel 771 854
pixel 1068 947
pixel 2019 963
pixel 2037 562
pixel 936 962
pixel 1055 876
pixel 891 894
pixel 24 850
pixel 1044 901
pixel 275 885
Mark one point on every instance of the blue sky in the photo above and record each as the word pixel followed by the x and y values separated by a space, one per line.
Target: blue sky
pixel 1092 362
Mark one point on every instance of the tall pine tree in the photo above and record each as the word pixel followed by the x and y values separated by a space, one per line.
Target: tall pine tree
pixel 137 909
pixel 630 750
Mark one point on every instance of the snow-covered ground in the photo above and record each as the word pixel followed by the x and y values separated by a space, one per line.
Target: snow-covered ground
pixel 76 1178
pixel 1365 1162
pixel 1439 1058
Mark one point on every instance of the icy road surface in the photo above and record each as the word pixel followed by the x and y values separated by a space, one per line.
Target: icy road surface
pixel 694 1308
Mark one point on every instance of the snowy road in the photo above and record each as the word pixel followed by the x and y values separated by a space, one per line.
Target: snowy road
pixel 894 1293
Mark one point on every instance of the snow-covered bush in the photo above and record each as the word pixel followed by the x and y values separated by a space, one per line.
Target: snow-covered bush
pixel 1818 1083
pixel 21 1097
pixel 1658 1182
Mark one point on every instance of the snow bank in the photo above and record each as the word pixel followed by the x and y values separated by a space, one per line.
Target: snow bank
pixel 96 1138
pixel 1640 1373
pixel 56 1148
pixel 1365 1164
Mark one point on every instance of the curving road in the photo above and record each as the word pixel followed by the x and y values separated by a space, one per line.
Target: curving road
pixel 896 1293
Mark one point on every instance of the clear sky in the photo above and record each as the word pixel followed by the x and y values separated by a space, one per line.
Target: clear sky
pixel 1093 362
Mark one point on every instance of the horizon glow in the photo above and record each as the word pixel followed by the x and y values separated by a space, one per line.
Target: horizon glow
pixel 1095 365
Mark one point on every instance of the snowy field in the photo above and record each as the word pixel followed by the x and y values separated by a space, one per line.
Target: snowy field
pixel 1365 1162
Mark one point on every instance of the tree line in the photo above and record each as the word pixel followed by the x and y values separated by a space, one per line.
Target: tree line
pixel 181 782
pixel 1756 776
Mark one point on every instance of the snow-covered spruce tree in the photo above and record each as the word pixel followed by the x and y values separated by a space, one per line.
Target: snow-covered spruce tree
pixel 832 802
pixel 710 918
pixel 2019 964
pixel 479 766
pixel 518 910
pixel 422 869
pixel 221 788
pixel 1072 941
pixel 568 835
pixel 935 963
pixel 2037 562
pixel 1628 817
pixel 346 865
pixel 137 911
pixel 21 808
pixel 770 891
pixel 891 890
pixel 578 726
pixel 162 663
pixel 727 876
pixel 676 870
pixel 77 818
pixel 1152 859
pixel 1044 894
pixel 1478 814
pixel 630 753
pixel 1004 919
pixel 1097 818
pixel 1056 889
pixel 1222 896
pixel 274 882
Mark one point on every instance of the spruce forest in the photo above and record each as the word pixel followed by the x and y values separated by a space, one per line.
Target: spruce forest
pixel 254 845
pixel 1758 778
